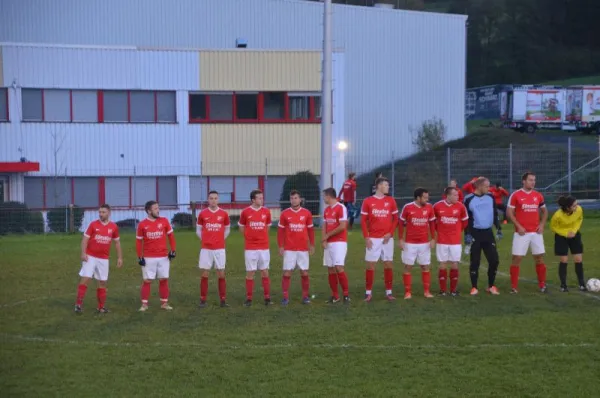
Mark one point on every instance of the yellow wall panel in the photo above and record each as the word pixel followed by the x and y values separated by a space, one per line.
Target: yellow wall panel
pixel 1 69
pixel 256 149
pixel 252 70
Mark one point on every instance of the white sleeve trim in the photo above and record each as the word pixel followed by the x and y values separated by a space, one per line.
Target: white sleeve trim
pixel 466 218
pixel 395 212
pixel 363 212
pixel 227 231
pixel 139 237
pixel 542 206
pixel 310 226
pixel 280 226
pixel 432 219
pixel 86 235
pixel 241 225
pixel 344 214
pixel 169 232
pixel 117 239
pixel 511 206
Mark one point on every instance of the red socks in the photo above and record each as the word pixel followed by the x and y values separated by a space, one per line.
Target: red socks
pixel 222 289
pixel 145 292
pixel 344 282
pixel 203 288
pixel 426 277
pixel 388 278
pixel 101 295
pixel 305 286
pixel 514 276
pixel 81 289
pixel 540 269
pixel 249 288
pixel 443 278
pixel 333 285
pixel 163 290
pixel 266 283
pixel 453 280
pixel 407 279
pixel 369 276
pixel 285 286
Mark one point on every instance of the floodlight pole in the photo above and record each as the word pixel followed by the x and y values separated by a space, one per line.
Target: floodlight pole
pixel 326 111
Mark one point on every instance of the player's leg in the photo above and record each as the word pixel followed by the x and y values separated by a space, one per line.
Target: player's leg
pixel 289 263
pixel 442 253
pixel 538 250
pixel 251 260
pixel 302 261
pixel 220 259
pixel 162 273
pixel 101 276
pixel 409 257
pixel 491 254
pixel 351 214
pixel 576 248
pixel 264 261
pixel 561 250
pixel 85 274
pixel 331 275
pixel 474 263
pixel 340 249
pixel 520 246
pixel 388 268
pixel 205 264
pixel 455 255
pixel 424 260
pixel 148 275
pixel 372 255
pixel 343 279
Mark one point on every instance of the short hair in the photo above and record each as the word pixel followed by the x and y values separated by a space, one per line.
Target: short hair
pixel 526 175
pixel 480 181
pixel 378 174
pixel 330 192
pixel 105 206
pixel 453 180
pixel 254 193
pixel 565 202
pixel 380 180
pixel 211 192
pixel 149 205
pixel 449 190
pixel 498 184
pixel 295 192
pixel 419 192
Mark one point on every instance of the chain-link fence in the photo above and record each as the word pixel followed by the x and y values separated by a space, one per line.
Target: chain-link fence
pixel 69 200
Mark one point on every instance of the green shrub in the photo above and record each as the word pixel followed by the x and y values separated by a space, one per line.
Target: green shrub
pixel 35 224
pixel 59 219
pixel 182 220
pixel 430 135
pixel 308 185
pixel 14 218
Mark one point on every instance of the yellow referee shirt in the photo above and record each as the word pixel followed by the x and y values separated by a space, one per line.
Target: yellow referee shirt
pixel 563 223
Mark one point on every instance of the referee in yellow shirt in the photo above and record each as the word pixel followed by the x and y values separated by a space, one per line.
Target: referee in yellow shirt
pixel 566 223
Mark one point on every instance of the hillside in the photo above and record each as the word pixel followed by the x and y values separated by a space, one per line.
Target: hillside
pixel 576 81
pixel 486 152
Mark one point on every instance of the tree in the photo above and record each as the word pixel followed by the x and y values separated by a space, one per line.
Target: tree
pixel 308 185
pixel 430 135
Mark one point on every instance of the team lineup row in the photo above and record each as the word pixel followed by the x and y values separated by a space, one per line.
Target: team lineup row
pixel 420 227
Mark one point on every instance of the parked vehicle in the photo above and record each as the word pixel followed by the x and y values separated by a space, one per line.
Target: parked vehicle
pixel 583 108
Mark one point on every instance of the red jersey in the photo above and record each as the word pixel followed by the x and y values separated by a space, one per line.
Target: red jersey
pixel 498 194
pixel 381 214
pixel 295 225
pixel 461 196
pixel 333 216
pixel 153 234
pixel 213 225
pixel 100 238
pixel 348 191
pixel 256 223
pixel 527 205
pixel 417 219
pixel 450 222
pixel 469 187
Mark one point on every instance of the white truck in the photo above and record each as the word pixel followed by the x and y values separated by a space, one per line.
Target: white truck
pixel 583 108
pixel 528 108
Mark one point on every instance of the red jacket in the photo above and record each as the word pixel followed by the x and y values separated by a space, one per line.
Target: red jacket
pixel 498 194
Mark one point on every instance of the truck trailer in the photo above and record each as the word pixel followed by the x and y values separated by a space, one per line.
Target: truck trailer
pixel 583 108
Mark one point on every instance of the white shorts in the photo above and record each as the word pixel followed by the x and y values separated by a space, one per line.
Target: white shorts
pixel 448 253
pixel 335 254
pixel 156 267
pixel 257 259
pixel 382 251
pixel 209 257
pixel 419 252
pixel 96 268
pixel 521 244
pixel 291 259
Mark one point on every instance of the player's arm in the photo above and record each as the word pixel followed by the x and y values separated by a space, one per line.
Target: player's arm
pixel 139 245
pixel 171 236
pixel 343 221
pixel 432 227
pixel 281 234
pixel 364 220
pixel 199 225
pixel 242 222
pixel 84 243
pixel 117 240
pixel 554 222
pixel 311 235
pixel 465 218
pixel 394 223
pixel 469 214
pixel 544 219
pixel 401 224
pixel 496 220
pixel 227 224
pixel 510 213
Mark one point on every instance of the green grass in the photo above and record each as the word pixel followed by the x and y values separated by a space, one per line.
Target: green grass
pixel 525 345
pixel 576 81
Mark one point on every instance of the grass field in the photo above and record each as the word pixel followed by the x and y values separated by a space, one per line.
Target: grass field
pixel 526 345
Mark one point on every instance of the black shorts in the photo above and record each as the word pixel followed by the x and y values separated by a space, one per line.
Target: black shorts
pixel 563 245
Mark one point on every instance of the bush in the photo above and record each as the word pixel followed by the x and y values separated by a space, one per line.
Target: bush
pixel 180 220
pixel 430 135
pixel 36 223
pixel 128 223
pixel 308 185
pixel 15 217
pixel 59 218
pixel 234 220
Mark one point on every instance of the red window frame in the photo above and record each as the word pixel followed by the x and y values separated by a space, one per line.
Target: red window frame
pixel 7 106
pixel 312 117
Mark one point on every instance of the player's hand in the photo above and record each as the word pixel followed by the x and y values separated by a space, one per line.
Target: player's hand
pixel 311 250
pixel 468 239
pixel 119 262
pixel 571 234
pixel 142 261
pixel 172 255
pixel 386 238
pixel 521 231
pixel 432 243
pixel 401 244
pixel 369 243
pixel 324 244
pixel 84 257
pixel 499 235
pixel 281 251
pixel 540 230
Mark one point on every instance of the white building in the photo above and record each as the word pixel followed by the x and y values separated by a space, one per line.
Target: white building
pixel 126 101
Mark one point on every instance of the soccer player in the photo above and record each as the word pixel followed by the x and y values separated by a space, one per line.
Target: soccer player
pixel 254 223
pixel 499 194
pixel 420 239
pixel 451 219
pixel 454 184
pixel 566 223
pixel 151 246
pixel 378 174
pixel 95 251
pixel 213 228
pixel 335 244
pixel 296 240
pixel 483 216
pixel 379 218
pixel 524 207
pixel 348 197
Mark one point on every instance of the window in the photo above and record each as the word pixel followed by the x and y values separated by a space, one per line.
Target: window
pixel 85 105
pixel 144 189
pixel 273 188
pixel 34 192
pixel 224 186
pixel 115 106
pixel 86 191
pixel 3 104
pixel 243 187
pixel 117 191
pixel 57 106
pixel 58 192
pixel 32 105
pixel 166 109
pixel 198 189
pixel 267 107
pixel 166 191
pixel 142 106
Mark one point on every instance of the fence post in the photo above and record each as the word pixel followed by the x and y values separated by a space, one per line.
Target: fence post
pixel 193 207
pixel 266 178
pixel 133 199
pixel 569 164
pixel 448 165
pixel 71 219
pixel 393 176
pixel 510 167
pixel 599 167
pixel 67 203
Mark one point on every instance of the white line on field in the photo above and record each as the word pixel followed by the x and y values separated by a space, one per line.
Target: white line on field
pixel 37 339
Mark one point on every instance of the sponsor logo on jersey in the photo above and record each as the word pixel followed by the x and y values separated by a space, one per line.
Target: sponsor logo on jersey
pixel 296 227
pixel 154 235
pixel 102 239
pixel 380 212
pixel 448 220
pixel 213 227
pixel 257 224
